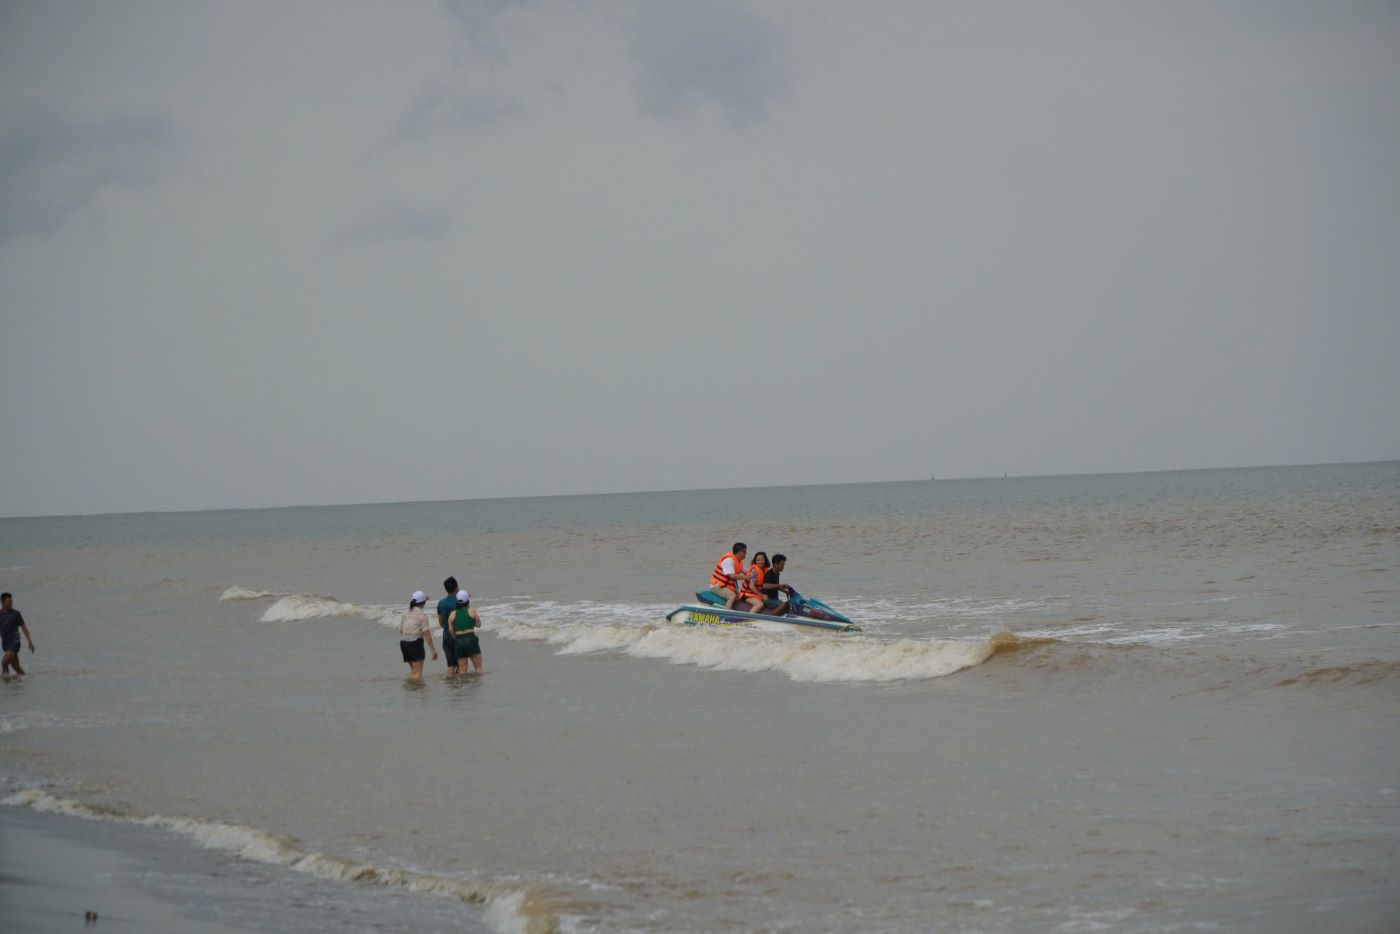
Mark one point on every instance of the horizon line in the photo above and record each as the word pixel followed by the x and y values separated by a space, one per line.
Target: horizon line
pixel 931 479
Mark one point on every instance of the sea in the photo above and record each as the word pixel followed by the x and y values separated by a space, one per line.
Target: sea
pixel 1149 702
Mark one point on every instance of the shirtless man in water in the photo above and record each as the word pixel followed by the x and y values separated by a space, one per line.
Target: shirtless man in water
pixel 11 625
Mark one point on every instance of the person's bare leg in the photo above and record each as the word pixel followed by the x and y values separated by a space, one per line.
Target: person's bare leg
pixel 461 666
pixel 731 600
pixel 415 671
pixel 476 663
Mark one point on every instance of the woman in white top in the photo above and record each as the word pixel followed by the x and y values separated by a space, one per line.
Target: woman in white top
pixel 413 629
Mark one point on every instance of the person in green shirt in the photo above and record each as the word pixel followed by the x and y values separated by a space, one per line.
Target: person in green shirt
pixel 464 623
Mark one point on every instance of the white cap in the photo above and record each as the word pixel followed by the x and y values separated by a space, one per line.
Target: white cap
pixel 463 597
pixel 419 597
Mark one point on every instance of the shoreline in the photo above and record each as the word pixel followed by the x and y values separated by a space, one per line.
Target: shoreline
pixel 54 868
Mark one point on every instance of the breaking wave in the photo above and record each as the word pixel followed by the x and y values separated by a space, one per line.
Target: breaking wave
pixel 800 656
pixel 243 593
pixel 509 908
pixel 633 629
pixel 299 607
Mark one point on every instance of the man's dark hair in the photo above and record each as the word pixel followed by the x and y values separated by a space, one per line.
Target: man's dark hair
pixel 450 585
pixel 738 546
pixel 7 596
pixel 776 558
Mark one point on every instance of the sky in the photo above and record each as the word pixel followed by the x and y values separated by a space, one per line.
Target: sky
pixel 262 254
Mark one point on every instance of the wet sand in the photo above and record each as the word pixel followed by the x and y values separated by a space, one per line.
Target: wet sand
pixel 54 869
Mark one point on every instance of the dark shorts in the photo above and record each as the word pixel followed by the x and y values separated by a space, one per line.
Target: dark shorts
pixel 468 646
pixel 449 650
pixel 11 646
pixel 412 651
pixel 772 604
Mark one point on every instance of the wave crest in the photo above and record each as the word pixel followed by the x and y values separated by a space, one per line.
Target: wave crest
pixel 631 629
pixel 298 607
pixel 243 593
pixel 801 657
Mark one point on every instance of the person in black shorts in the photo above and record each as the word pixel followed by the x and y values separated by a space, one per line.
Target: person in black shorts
pixel 445 606
pixel 413 629
pixel 11 625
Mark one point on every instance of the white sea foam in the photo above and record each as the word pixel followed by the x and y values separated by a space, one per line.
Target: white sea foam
pixel 95 719
pixel 800 656
pixel 26 720
pixel 636 629
pixel 298 607
pixel 509 908
pixel 1122 633
pixel 1214 629
pixel 243 593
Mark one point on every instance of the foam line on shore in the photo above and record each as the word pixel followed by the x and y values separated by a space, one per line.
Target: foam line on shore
pixel 508 908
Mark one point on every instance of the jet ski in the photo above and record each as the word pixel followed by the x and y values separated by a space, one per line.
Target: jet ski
pixel 798 606
pixel 708 615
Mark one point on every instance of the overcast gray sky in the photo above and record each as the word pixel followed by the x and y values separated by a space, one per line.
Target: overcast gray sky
pixel 257 253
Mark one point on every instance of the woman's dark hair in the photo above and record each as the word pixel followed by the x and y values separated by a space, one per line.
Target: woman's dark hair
pixel 759 554
pixel 413 603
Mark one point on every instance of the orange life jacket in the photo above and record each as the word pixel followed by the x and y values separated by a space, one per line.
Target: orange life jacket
pixel 720 579
pixel 752 584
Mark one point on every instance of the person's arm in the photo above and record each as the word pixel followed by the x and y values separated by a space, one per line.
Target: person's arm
pixel 25 630
pixel 428 634
pixel 476 617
